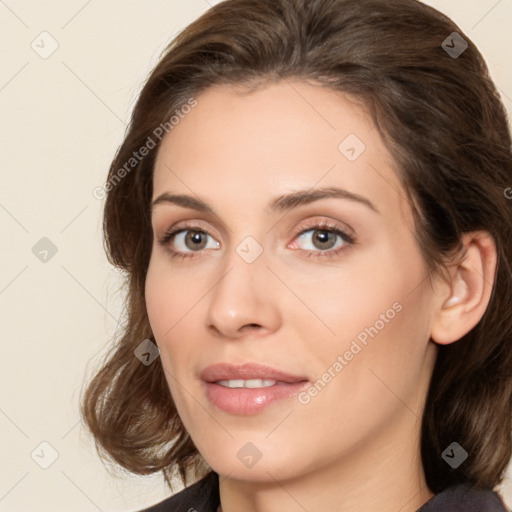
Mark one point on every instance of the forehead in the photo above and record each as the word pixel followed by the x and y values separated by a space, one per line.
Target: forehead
pixel 280 137
pixel 279 122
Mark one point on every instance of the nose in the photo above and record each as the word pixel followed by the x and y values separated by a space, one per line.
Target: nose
pixel 244 299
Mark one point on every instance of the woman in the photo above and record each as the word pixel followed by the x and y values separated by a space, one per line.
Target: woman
pixel 311 207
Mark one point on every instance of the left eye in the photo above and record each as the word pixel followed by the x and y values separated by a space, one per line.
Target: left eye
pixel 323 239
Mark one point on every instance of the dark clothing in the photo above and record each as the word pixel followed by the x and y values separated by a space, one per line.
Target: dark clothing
pixel 203 496
pixel 463 498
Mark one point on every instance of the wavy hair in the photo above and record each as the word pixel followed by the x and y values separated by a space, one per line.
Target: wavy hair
pixel 446 128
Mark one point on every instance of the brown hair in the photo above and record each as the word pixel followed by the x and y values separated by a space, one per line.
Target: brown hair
pixel 446 128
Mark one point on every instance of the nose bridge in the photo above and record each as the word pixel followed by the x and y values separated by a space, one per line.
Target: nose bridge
pixel 241 296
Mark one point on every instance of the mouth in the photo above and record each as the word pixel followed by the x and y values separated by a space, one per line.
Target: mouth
pixel 250 388
pixel 248 373
pixel 249 383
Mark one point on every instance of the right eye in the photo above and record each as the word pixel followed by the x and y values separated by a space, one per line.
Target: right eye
pixel 186 241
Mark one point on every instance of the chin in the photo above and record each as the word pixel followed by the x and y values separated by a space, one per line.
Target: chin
pixel 253 462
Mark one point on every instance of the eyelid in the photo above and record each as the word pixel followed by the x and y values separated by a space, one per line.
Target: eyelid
pixel 320 222
pixel 192 225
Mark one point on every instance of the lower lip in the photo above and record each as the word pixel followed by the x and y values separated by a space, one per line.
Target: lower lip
pixel 245 401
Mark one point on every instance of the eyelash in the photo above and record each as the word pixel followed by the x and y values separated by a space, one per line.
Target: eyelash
pixel 318 226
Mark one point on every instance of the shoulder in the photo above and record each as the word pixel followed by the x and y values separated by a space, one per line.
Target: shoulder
pixel 203 496
pixel 464 498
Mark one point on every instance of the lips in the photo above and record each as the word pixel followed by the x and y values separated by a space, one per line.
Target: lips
pixel 226 371
pixel 241 399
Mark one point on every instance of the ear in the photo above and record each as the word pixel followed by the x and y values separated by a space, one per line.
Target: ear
pixel 462 301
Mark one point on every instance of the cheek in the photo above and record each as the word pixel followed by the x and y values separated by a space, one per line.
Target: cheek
pixel 160 301
pixel 170 296
pixel 169 306
pixel 166 307
pixel 367 291
pixel 380 312
pixel 175 302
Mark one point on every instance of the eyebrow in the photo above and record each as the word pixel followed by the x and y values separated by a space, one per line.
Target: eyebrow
pixel 281 203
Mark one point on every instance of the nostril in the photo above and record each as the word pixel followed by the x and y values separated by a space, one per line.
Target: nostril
pixel 250 328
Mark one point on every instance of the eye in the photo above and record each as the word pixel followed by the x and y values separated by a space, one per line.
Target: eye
pixel 324 240
pixel 318 240
pixel 187 241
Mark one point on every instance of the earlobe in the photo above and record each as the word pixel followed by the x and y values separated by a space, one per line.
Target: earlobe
pixel 471 283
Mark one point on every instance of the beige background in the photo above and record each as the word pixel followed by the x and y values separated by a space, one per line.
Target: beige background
pixel 62 120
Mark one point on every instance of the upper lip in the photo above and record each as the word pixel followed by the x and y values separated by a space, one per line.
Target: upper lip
pixel 227 371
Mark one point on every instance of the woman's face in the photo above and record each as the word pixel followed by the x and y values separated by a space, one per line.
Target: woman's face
pixel 281 268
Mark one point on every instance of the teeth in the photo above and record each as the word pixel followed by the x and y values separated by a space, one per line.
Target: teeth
pixel 250 383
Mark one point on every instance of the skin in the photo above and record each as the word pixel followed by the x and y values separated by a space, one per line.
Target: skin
pixel 355 445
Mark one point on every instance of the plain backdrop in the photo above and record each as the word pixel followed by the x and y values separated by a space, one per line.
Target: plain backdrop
pixel 63 116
